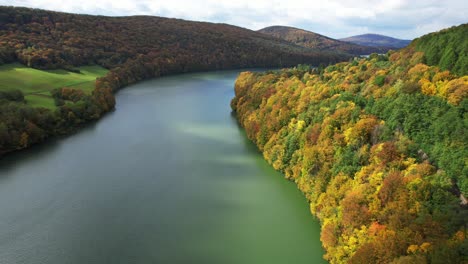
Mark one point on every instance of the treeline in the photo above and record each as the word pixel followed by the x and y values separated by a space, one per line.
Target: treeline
pixel 133 48
pixel 22 125
pixel 141 46
pixel 447 49
pixel 379 148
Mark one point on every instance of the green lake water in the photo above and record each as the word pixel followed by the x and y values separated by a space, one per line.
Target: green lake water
pixel 168 177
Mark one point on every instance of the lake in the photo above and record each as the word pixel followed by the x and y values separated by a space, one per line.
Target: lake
pixel 168 177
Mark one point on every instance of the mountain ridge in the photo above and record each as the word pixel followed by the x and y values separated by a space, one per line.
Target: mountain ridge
pixel 377 40
pixel 61 32
pixel 314 40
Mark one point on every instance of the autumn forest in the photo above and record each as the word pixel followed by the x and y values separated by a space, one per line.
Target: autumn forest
pixel 378 146
pixel 374 137
pixel 132 48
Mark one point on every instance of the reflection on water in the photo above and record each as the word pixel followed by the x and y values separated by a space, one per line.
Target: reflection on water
pixel 169 177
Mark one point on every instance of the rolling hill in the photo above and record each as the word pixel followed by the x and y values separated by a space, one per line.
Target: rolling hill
pixel 52 48
pixel 376 40
pixel 313 40
pixel 46 40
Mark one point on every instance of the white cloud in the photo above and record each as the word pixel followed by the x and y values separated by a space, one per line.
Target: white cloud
pixel 334 18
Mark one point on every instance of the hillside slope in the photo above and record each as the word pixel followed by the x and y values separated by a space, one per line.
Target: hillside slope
pixel 376 40
pixel 447 49
pixel 379 148
pixel 313 40
pixel 46 39
pixel 131 48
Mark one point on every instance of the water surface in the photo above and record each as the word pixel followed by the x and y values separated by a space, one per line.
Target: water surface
pixel 169 177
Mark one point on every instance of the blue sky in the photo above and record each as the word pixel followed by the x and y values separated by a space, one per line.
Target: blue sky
pixel 406 19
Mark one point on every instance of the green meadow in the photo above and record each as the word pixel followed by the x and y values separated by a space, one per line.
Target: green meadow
pixel 37 84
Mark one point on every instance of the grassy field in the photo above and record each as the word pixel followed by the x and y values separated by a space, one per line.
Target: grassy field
pixel 36 84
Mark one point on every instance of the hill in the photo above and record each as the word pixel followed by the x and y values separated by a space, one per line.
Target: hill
pixel 313 40
pixel 447 49
pixel 46 40
pixel 129 49
pixel 378 146
pixel 376 40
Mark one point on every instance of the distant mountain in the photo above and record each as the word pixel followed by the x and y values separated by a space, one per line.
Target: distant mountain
pixel 376 40
pixel 313 40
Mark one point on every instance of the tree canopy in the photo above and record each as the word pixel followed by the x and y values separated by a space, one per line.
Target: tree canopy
pixel 379 148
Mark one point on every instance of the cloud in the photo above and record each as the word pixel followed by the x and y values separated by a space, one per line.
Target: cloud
pixel 334 18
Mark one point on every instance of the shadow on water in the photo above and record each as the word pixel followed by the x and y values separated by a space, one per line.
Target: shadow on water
pixel 13 159
pixel 170 177
pixel 246 189
pixel 16 158
pixel 247 142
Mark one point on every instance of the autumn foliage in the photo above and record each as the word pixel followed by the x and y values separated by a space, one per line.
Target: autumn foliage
pixel 140 47
pixel 132 48
pixel 382 162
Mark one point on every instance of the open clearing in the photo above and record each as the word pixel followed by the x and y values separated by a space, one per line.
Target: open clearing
pixel 37 84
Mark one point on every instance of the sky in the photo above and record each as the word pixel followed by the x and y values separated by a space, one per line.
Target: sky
pixel 406 19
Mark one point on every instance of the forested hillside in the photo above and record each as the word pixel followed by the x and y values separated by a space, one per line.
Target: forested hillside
pixel 379 147
pixel 376 40
pixel 141 46
pixel 313 40
pixel 447 49
pixel 131 48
